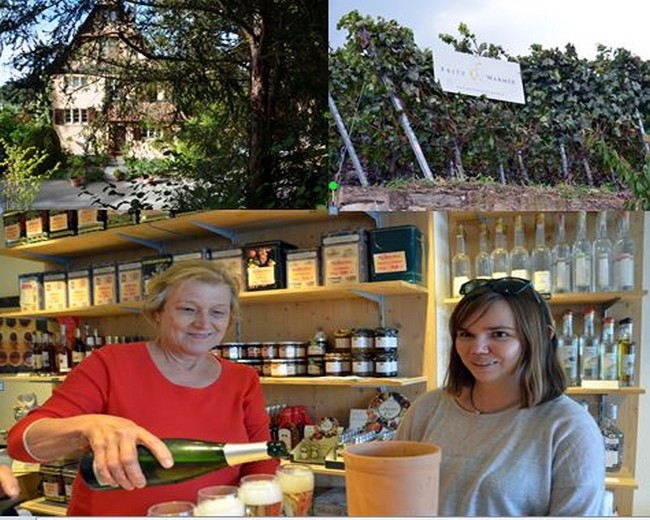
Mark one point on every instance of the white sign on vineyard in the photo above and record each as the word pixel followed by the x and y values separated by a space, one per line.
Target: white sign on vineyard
pixel 478 76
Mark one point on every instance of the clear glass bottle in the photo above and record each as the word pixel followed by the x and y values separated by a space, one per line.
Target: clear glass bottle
pixel 500 256
pixel 602 256
pixel 568 350
pixel 582 257
pixel 540 258
pixel 589 348
pixel 561 259
pixel 613 437
pixel 624 249
pixel 608 351
pixel 519 257
pixel 626 353
pixel 192 458
pixel 461 269
pixel 483 260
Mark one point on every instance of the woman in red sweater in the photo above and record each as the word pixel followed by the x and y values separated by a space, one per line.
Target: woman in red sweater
pixel 136 394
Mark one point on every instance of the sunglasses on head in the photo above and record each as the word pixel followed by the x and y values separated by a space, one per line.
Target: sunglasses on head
pixel 509 285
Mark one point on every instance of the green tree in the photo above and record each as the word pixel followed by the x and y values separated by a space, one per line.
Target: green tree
pixel 264 62
pixel 22 180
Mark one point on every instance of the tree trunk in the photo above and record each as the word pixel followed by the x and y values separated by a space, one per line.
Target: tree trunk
pixel 260 162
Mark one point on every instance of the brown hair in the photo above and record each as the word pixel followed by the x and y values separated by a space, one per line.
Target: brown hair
pixel 200 270
pixel 541 376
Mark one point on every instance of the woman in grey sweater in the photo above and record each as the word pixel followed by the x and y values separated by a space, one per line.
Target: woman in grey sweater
pixel 512 443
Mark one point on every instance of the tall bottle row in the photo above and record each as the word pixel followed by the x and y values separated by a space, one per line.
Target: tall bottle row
pixel 588 260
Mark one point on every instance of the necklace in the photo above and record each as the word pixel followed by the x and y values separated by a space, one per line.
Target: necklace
pixel 477 410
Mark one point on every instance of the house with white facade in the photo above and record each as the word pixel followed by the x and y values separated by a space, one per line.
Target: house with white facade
pixel 94 110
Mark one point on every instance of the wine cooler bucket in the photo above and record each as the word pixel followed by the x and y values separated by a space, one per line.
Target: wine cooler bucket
pixel 392 478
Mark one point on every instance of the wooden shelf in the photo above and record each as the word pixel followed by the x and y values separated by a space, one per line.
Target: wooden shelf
pixel 621 481
pixel 577 390
pixel 331 292
pixel 161 232
pixel 42 506
pixel 584 299
pixel 348 381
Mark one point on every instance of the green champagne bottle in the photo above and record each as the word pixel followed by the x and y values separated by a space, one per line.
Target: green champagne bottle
pixel 192 458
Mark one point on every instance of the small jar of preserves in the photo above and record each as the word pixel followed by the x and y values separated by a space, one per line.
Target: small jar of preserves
pixel 386 338
pixel 266 367
pixel 342 338
pixel 386 364
pixel 232 351
pixel 338 364
pixel 301 366
pixel 283 367
pixel 255 364
pixel 316 366
pixel 253 350
pixel 362 339
pixel 269 350
pixel 363 364
pixel 291 349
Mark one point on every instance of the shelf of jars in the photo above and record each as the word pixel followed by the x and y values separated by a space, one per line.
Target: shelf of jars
pixel 155 234
pixel 370 290
pixel 349 381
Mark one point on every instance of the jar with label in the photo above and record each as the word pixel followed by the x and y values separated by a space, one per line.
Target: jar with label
pixel 253 350
pixel 291 349
pixel 342 339
pixel 363 364
pixel 269 350
pixel 283 367
pixel 301 366
pixel 52 481
pixel 266 367
pixel 255 364
pixel 362 339
pixel 386 364
pixel 316 366
pixel 386 339
pixel 232 351
pixel 338 364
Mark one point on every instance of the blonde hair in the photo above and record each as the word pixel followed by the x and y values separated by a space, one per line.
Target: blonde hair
pixel 199 270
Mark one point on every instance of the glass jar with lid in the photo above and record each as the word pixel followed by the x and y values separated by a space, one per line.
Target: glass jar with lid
pixel 362 339
pixel 337 364
pixel 386 338
pixel 386 364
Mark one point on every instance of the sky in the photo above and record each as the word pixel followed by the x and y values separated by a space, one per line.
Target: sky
pixel 513 24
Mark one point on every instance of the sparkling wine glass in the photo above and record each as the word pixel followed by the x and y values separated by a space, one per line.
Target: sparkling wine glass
pixel 261 495
pixel 297 485
pixel 219 501
pixel 173 508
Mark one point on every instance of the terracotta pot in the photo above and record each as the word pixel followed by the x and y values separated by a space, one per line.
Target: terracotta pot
pixel 392 478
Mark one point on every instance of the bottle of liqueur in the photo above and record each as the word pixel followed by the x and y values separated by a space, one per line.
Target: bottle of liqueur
pixel 602 256
pixel 613 437
pixel 500 256
pixel 589 348
pixel 483 261
pixel 192 458
pixel 568 349
pixel 608 352
pixel 561 259
pixel 37 352
pixel 63 357
pixel 626 353
pixel 582 257
pixel 624 256
pixel 49 358
pixel 461 269
pixel 519 257
pixel 78 348
pixel 540 259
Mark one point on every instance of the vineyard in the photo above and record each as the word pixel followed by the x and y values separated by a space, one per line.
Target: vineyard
pixel 581 129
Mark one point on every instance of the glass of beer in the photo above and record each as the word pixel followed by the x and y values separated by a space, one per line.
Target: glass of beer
pixel 173 508
pixel 261 495
pixel 297 485
pixel 219 501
